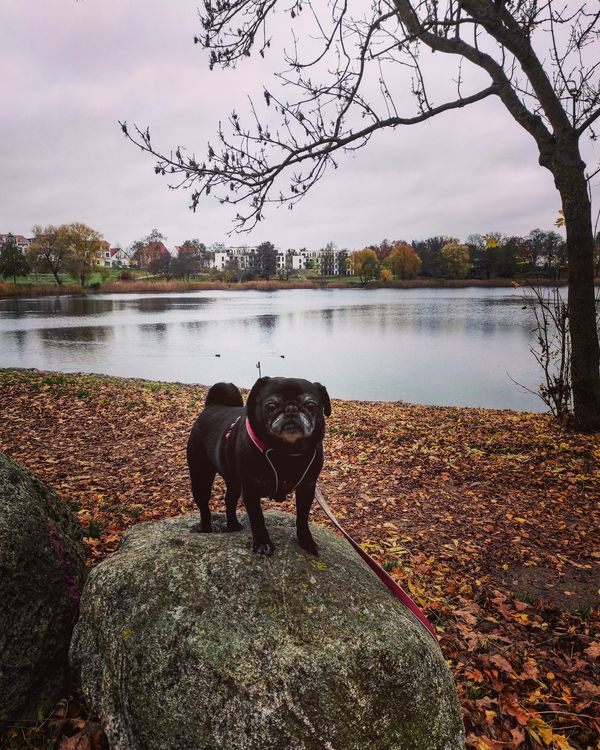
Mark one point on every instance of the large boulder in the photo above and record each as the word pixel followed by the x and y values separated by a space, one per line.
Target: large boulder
pixel 189 641
pixel 41 576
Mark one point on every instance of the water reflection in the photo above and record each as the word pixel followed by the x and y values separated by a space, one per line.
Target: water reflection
pixel 267 322
pixel 431 346
pixel 157 331
pixel 18 340
pixel 74 336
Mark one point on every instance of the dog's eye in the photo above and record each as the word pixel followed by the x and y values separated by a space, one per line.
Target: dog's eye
pixel 270 406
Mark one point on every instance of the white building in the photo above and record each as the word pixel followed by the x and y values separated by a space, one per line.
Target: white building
pixel 286 261
pixel 22 242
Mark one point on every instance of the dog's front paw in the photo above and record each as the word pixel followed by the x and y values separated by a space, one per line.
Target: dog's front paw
pixel 234 525
pixel 263 548
pixel 309 544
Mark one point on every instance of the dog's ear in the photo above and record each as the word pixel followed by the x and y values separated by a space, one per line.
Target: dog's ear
pixel 325 399
pixel 256 388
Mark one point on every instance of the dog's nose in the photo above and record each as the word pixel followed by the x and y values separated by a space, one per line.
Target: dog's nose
pixel 291 409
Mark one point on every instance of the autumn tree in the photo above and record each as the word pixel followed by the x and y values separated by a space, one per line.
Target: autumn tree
pixel 403 261
pixel 84 251
pixel 49 249
pixel 382 250
pixel 12 261
pixel 536 56
pixel 456 260
pixel 366 264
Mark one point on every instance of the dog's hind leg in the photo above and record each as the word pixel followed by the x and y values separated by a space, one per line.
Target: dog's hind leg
pixel 202 476
pixel 232 495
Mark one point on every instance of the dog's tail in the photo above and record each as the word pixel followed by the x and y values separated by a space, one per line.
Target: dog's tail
pixel 224 394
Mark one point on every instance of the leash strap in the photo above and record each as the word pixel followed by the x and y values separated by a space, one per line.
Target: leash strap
pixel 286 487
pixel 396 590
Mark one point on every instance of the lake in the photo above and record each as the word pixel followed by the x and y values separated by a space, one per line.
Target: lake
pixel 432 346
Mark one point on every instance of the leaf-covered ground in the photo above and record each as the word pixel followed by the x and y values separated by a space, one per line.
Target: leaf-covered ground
pixel 489 518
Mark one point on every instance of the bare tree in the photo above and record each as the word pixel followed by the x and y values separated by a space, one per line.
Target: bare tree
pixel 347 90
pixel 551 350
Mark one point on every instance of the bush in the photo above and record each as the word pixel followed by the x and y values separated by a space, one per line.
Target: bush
pixel 126 276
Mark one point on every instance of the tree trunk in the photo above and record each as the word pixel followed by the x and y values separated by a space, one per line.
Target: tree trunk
pixel 56 276
pixel 585 351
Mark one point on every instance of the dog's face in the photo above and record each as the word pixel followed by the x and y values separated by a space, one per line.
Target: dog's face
pixel 288 411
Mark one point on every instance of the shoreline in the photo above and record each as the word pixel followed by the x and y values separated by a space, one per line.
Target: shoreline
pixel 68 378
pixel 9 291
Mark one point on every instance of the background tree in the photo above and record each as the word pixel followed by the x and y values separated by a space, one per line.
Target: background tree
pixel 162 264
pixel 191 257
pixel 289 262
pixel 85 248
pixel 403 261
pixel 494 253
pixel 266 260
pixel 515 257
pixel 548 247
pixel 12 261
pixel 328 259
pixel 537 58
pixel 430 253
pixel 49 249
pixel 382 250
pixel 343 266
pixel 479 258
pixel 147 249
pixel 366 265
pixel 232 270
pixel 456 260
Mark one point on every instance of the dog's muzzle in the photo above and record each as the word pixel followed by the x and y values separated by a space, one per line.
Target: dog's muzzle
pixel 292 426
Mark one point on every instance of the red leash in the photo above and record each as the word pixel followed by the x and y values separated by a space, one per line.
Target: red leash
pixel 396 590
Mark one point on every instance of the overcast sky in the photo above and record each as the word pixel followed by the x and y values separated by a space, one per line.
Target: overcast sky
pixel 70 70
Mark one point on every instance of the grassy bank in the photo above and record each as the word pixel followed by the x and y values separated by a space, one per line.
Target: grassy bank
pixel 488 517
pixel 160 286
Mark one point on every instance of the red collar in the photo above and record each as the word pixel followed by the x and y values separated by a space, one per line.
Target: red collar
pixel 262 447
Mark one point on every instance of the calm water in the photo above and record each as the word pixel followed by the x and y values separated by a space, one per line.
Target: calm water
pixel 433 346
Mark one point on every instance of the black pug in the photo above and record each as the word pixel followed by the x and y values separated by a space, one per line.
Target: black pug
pixel 270 448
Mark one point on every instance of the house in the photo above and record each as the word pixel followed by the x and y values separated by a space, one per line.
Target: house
pixel 144 255
pixel 114 257
pixel 22 242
